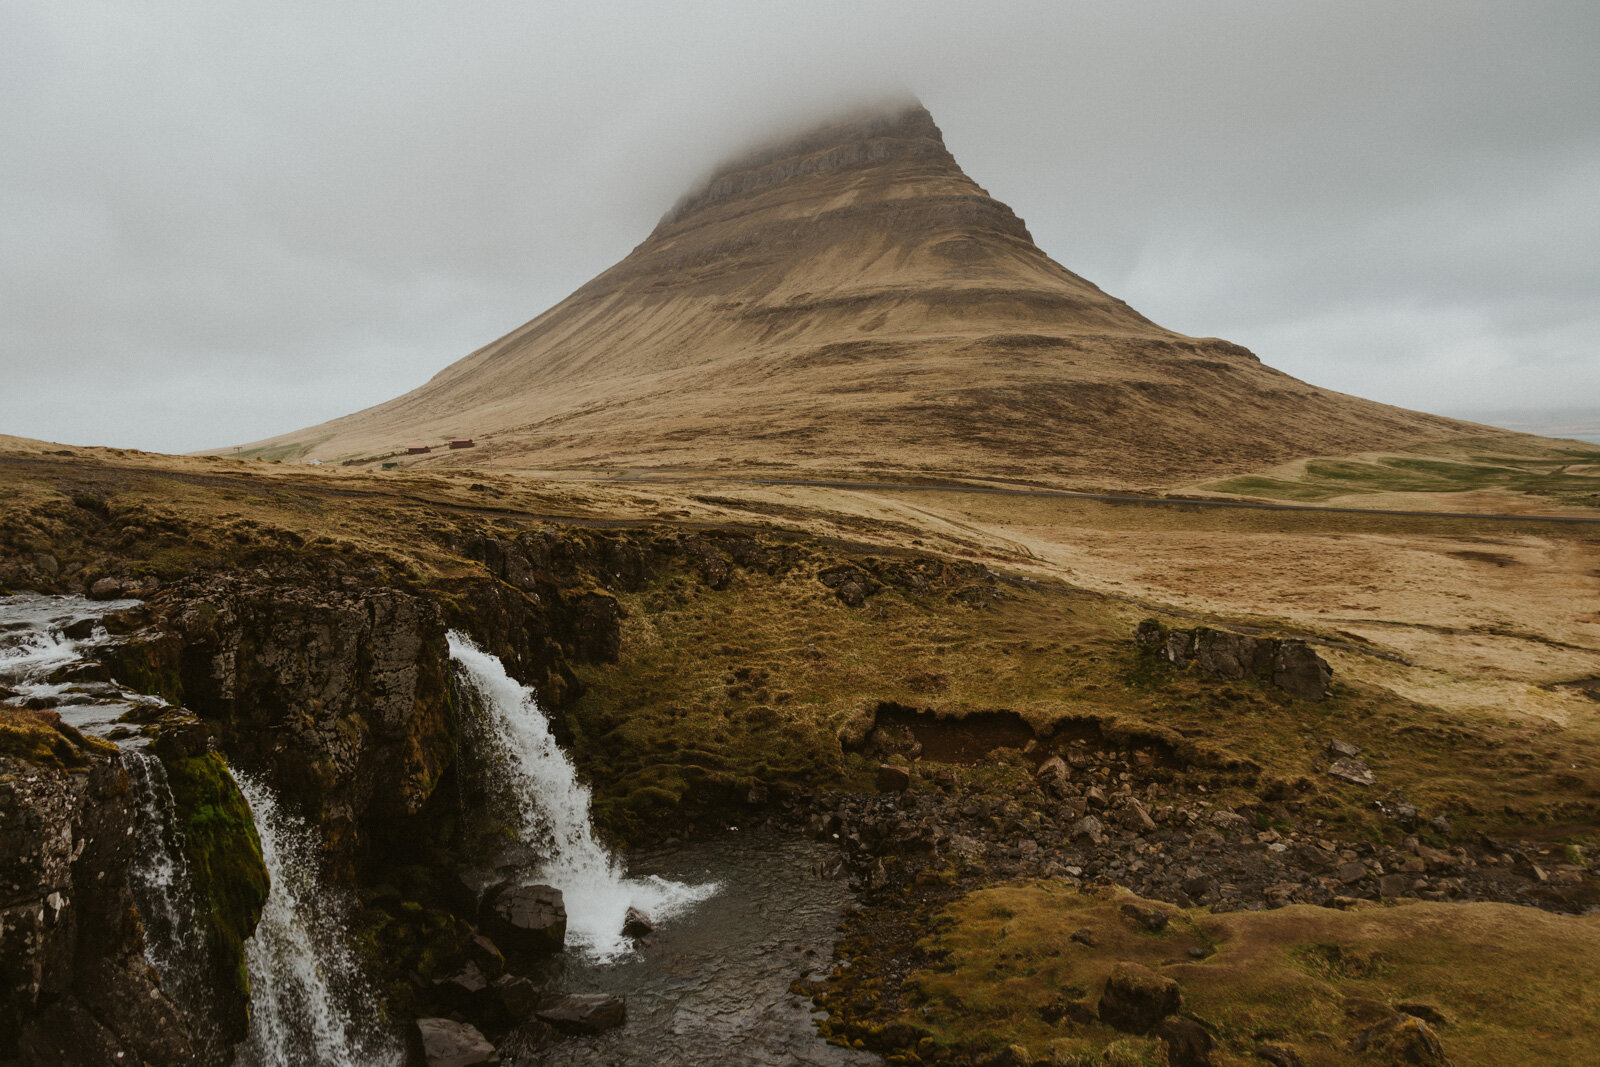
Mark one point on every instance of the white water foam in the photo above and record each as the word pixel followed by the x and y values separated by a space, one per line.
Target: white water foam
pixel 31 642
pixel 174 943
pixel 552 807
pixel 306 984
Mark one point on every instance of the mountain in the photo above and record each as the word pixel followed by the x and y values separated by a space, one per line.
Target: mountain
pixel 849 301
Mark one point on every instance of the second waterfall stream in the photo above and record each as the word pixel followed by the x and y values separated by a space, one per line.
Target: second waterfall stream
pixel 541 788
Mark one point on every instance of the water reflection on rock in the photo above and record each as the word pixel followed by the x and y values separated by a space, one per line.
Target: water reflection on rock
pixel 712 985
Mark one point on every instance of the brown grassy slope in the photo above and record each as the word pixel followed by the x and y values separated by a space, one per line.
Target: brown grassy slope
pixel 1447 661
pixel 852 301
pixel 1498 980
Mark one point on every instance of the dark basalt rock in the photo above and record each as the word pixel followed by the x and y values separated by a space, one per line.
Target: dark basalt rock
pixel 527 921
pixel 1401 1039
pixel 1188 1043
pixel 1287 662
pixel 584 1013
pixel 74 985
pixel 892 779
pixel 636 923
pixel 447 1043
pixel 1136 999
pixel 1153 919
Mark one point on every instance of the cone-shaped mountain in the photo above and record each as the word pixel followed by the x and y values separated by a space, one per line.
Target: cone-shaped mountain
pixel 850 301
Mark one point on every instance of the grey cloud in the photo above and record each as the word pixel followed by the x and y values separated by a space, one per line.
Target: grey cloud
pixel 223 221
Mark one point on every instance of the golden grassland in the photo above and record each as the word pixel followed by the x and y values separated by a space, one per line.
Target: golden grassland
pixel 1505 984
pixel 783 666
pixel 1454 640
pixel 1458 642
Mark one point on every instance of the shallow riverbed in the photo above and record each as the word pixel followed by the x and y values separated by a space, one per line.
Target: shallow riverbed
pixel 712 985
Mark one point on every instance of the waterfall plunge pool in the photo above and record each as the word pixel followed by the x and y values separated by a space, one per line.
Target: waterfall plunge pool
pixel 738 918
pixel 712 985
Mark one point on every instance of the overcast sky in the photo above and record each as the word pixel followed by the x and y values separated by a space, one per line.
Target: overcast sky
pixel 221 221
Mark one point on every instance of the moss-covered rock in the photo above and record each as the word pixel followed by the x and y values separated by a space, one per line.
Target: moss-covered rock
pixel 230 877
pixel 42 739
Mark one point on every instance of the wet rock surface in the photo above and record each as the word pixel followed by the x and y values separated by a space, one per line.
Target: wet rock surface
pixel 447 1043
pixel 74 985
pixel 529 921
pixel 584 1013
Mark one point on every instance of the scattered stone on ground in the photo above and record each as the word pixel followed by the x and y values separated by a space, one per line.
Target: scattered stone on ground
pixel 584 1013
pixel 447 1043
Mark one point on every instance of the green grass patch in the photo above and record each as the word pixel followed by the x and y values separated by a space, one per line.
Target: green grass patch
pixel 1513 464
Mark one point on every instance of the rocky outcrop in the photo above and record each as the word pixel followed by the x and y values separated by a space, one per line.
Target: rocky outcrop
pixel 229 876
pixel 1287 662
pixel 74 985
pixel 340 696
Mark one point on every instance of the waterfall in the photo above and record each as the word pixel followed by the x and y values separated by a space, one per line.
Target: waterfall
pixel 551 808
pixel 309 1002
pixel 162 891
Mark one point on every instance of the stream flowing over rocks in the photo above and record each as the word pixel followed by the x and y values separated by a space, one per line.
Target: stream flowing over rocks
pixel 310 1002
pixel 705 942
pixel 535 780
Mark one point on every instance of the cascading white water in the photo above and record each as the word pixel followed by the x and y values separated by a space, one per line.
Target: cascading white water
pixel 163 892
pixel 305 982
pixel 552 807
pixel 309 1003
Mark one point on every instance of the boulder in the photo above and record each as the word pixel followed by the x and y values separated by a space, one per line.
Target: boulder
pixel 636 923
pixel 584 1013
pixel 1136 818
pixel 483 952
pixel 1053 775
pixel 447 1043
pixel 461 986
pixel 1088 827
pixel 1299 671
pixel 1287 661
pixel 1136 999
pixel 1393 886
pixel 514 996
pixel 526 920
pixel 893 779
pixel 1401 1039
pixel 1351 872
pixel 1188 1043
pixel 1153 919
pixel 105 589
pixel 80 630
pixel 1231 655
pixel 1352 770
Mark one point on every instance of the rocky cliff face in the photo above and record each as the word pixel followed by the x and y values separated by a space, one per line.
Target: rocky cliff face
pixel 340 697
pixel 75 984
